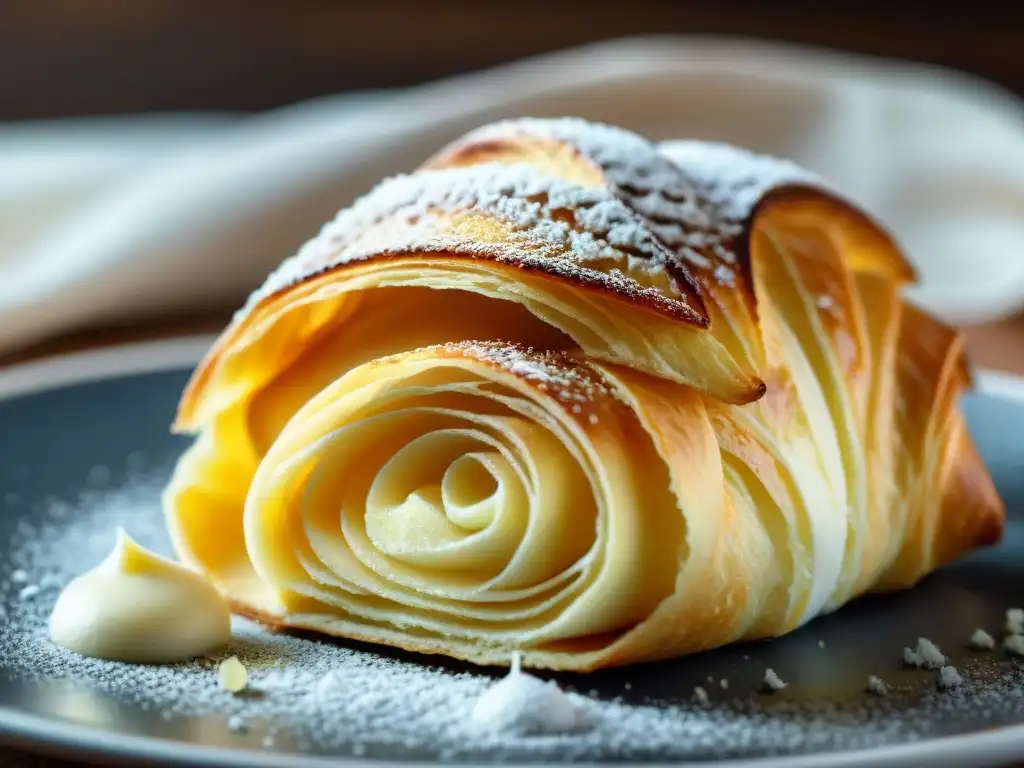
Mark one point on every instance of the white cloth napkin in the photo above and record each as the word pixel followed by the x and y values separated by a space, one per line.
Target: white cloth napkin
pixel 122 219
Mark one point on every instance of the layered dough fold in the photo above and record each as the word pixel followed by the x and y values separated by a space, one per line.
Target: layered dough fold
pixel 567 393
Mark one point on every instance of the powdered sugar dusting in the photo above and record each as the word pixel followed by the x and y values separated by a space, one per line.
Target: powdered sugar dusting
pixel 556 373
pixel 733 180
pixel 351 699
pixel 696 227
pixel 574 232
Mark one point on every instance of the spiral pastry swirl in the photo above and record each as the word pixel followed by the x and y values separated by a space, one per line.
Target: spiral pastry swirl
pixel 565 392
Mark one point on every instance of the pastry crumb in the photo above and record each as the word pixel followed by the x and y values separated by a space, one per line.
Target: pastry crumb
pixel 949 677
pixel 724 684
pixel 1015 621
pixel 772 682
pixel 877 686
pixel 237 725
pixel 232 675
pixel 700 696
pixel 981 640
pixel 926 655
pixel 1014 645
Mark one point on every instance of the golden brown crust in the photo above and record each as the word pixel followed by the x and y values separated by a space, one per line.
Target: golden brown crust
pixel 596 206
pixel 648 264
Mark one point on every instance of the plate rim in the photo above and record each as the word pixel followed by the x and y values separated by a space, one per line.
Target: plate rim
pixel 41 734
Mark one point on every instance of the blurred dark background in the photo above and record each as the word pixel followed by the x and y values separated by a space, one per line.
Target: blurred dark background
pixel 85 57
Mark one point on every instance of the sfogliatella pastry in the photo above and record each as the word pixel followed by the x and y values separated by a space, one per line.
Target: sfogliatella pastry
pixel 565 392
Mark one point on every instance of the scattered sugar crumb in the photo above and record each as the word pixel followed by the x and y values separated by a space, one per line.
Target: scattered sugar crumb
pixel 19 576
pixel 236 724
pixel 981 640
pixel 825 302
pixel 772 682
pixel 700 696
pixel 523 704
pixel 949 677
pixel 1014 645
pixel 877 686
pixel 927 655
pixel 388 701
pixel 628 686
pixel 232 675
pixel 724 684
pixel 592 418
pixel 27 593
pixel 821 643
pixel 746 657
pixel 1015 621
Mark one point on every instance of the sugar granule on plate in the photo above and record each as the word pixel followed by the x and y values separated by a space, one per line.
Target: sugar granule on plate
pixel 28 592
pixel 1014 621
pixel 700 696
pixel 523 704
pixel 949 677
pixel 396 703
pixel 1014 645
pixel 926 655
pixel 723 684
pixel 772 682
pixel 236 724
pixel 981 640
pixel 19 576
pixel 877 686
pixel 232 675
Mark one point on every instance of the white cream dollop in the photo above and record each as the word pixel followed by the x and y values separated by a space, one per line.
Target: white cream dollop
pixel 523 704
pixel 137 606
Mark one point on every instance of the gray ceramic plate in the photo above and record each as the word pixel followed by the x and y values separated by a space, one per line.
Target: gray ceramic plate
pixel 61 419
